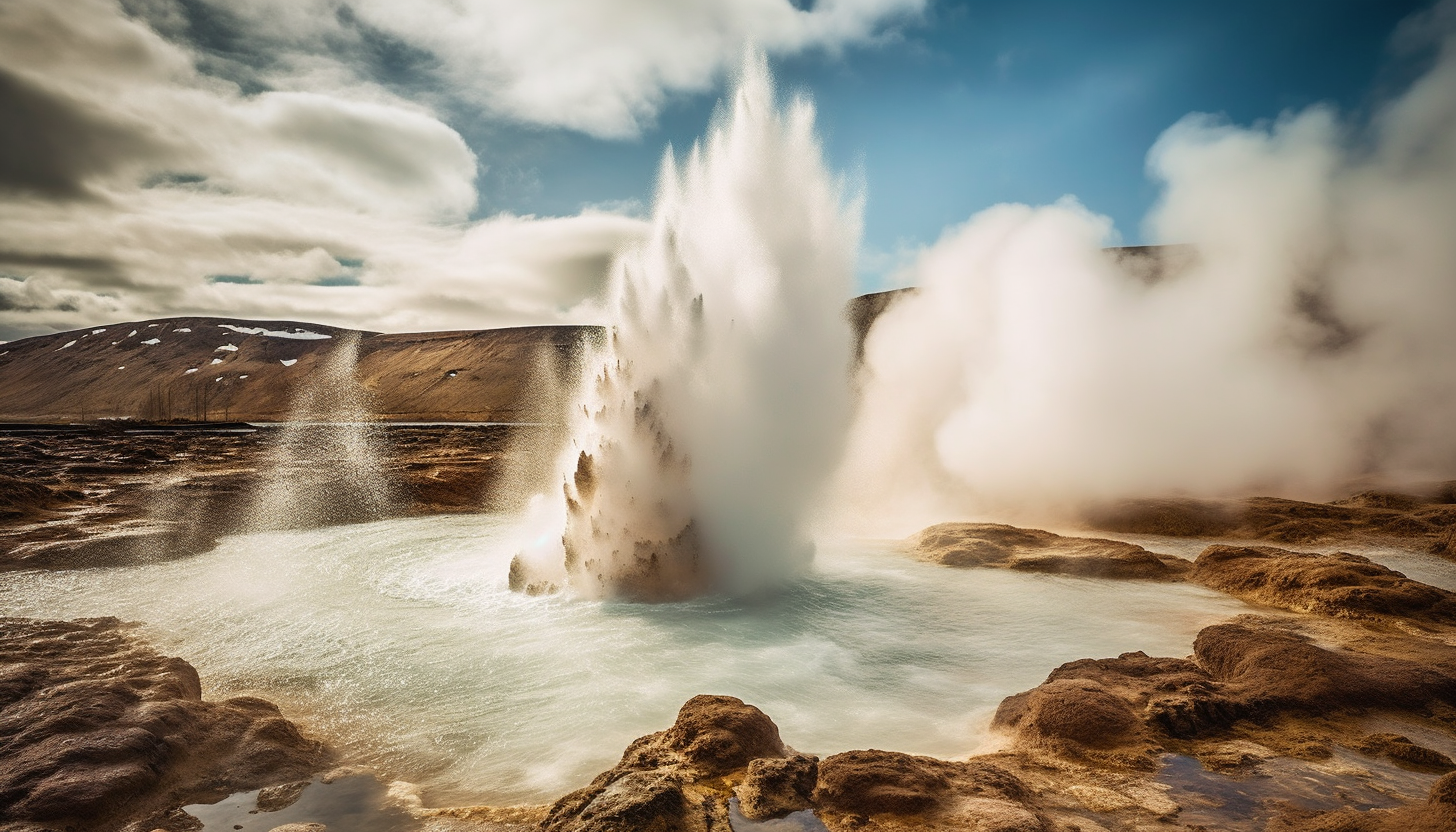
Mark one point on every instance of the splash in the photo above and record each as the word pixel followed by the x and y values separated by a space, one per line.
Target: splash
pixel 717 404
pixel 325 466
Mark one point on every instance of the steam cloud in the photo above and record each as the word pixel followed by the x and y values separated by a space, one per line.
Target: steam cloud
pixel 1309 338
pixel 711 417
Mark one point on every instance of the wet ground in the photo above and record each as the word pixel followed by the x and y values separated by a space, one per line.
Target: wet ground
pixel 128 493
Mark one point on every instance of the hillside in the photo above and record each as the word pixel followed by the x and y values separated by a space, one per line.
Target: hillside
pixel 227 369
pixel 210 369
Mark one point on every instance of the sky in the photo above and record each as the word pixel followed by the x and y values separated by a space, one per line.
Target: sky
pixel 406 165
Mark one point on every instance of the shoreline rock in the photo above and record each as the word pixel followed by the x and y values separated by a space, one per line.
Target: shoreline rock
pixel 1034 550
pixel 98 729
pixel 1338 584
pixel 1426 521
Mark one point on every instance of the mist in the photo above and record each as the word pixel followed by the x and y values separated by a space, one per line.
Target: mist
pixel 1304 343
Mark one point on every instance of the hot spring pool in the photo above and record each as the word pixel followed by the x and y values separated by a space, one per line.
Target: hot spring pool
pixel 399 643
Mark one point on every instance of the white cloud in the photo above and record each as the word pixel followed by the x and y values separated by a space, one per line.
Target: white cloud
pixel 144 178
pixel 605 67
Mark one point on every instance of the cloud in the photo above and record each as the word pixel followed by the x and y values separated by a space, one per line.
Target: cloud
pixel 1309 343
pixel 150 146
pixel 604 67
pixel 128 178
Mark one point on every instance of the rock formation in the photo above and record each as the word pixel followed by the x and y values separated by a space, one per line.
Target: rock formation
pixel 1427 521
pixel 97 729
pixel 120 494
pixel 720 748
pixel 1338 584
pixel 1034 550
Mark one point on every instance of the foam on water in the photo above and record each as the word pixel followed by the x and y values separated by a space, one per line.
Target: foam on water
pixel 399 642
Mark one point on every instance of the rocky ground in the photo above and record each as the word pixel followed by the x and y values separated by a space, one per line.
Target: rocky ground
pixel 98 731
pixel 129 493
pixel 1333 709
pixel 1425 519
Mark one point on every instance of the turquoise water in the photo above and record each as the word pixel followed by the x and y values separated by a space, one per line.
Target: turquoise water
pixel 399 643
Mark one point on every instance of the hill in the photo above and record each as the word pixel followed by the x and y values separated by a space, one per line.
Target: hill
pixel 229 369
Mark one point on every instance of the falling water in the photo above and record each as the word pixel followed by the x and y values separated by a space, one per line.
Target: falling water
pixel 325 465
pixel 710 416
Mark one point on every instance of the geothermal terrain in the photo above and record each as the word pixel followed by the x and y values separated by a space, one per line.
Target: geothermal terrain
pixel 155 511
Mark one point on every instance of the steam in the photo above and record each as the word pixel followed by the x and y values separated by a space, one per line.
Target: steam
pixel 1310 339
pixel 717 405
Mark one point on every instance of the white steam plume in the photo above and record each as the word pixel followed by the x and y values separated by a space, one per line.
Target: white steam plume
pixel 712 415
pixel 1311 340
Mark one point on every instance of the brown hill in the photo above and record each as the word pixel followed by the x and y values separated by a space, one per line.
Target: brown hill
pixel 228 369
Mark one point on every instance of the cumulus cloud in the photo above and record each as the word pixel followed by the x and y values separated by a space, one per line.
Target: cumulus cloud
pixel 1307 344
pixel 292 158
pixel 133 184
pixel 605 67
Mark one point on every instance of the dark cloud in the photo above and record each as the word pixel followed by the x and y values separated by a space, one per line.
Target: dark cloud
pixel 97 266
pixel 51 145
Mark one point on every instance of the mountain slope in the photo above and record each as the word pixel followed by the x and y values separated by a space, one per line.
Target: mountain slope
pixel 220 369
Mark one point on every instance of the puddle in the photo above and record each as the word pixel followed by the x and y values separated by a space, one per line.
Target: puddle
pixel 804 821
pixel 356 803
pixel 1247 800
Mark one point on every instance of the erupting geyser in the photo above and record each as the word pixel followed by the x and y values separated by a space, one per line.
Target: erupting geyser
pixel 710 416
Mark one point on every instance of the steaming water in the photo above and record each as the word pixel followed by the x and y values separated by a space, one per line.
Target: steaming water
pixel 400 642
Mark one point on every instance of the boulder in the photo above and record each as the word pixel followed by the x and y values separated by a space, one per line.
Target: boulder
pixel 654 785
pixel 635 801
pixel 1269 669
pixel 1035 550
pixel 878 782
pixel 1340 585
pixel 1124 712
pixel 1403 752
pixel 714 735
pixel 775 787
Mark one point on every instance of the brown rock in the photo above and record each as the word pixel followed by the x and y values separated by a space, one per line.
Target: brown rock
pixel 277 798
pixel 875 782
pixel 1404 752
pixel 635 801
pixel 1123 712
pixel 1075 718
pixel 1267 669
pixel 774 787
pixel 1340 584
pixel 1166 517
pixel 1035 550
pixel 1444 791
pixel 1427 521
pixel 96 728
pixel 714 735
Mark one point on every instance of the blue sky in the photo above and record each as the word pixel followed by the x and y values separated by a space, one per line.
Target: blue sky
pixel 428 164
pixel 982 103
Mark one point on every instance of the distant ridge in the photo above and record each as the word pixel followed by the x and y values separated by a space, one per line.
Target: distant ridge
pixel 218 369
pixel 230 369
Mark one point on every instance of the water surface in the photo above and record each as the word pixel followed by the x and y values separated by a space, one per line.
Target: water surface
pixel 399 642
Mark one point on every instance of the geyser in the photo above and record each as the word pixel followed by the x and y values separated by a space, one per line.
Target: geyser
pixel 710 415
